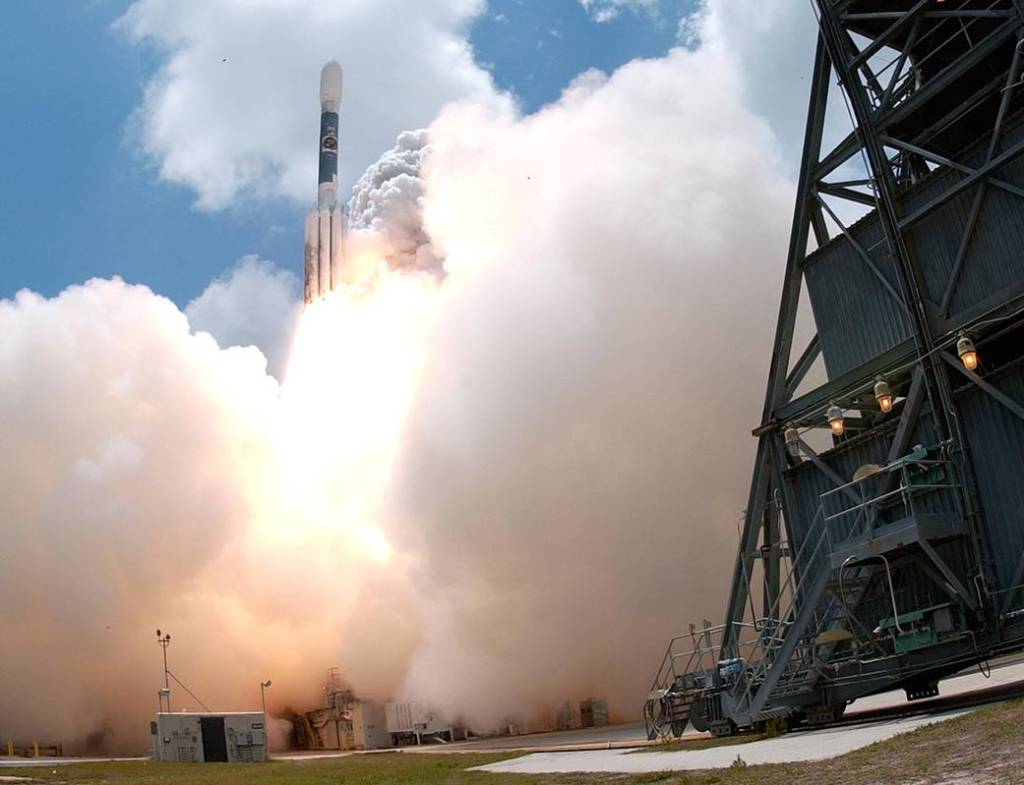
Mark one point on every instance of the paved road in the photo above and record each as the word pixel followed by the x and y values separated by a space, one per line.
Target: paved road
pixel 811 745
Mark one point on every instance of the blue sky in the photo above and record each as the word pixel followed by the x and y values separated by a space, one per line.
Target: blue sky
pixel 77 198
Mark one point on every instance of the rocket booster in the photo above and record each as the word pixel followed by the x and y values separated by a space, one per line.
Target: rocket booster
pixel 324 224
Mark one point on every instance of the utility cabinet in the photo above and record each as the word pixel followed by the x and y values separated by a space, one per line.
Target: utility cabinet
pixel 209 737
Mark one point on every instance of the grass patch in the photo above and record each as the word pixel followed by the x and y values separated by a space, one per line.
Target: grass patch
pixel 983 747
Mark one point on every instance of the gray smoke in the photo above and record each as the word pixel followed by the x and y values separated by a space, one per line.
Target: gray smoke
pixel 387 204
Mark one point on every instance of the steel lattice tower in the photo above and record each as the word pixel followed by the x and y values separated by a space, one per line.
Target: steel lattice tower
pixel 883 539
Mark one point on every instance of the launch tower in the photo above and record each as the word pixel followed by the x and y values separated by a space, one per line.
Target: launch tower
pixel 883 539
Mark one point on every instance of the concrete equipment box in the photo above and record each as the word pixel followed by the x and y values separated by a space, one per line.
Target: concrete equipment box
pixel 187 737
pixel 369 727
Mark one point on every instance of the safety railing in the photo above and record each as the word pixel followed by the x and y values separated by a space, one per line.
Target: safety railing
pixel 859 505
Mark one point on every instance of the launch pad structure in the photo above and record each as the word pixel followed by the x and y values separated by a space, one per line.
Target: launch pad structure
pixel 882 545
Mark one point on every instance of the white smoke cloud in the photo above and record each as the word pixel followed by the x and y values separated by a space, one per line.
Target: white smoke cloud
pixel 154 479
pixel 495 491
pixel 234 110
pixel 255 304
pixel 386 205
pixel 120 488
pixel 579 450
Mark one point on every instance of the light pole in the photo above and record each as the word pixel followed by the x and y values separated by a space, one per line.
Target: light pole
pixel 266 730
pixel 263 699
pixel 165 641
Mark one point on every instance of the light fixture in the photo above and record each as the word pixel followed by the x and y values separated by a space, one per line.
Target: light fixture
pixel 834 415
pixel 883 395
pixel 793 441
pixel 968 354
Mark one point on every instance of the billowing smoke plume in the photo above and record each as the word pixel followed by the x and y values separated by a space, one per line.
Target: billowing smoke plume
pixel 579 447
pixel 495 489
pixel 256 304
pixel 386 207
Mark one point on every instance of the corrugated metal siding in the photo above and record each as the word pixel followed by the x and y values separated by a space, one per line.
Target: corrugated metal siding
pixel 996 439
pixel 995 256
pixel 807 483
pixel 857 318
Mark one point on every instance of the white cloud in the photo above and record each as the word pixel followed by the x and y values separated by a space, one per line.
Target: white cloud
pixel 234 109
pixel 255 304
pixel 607 10
pixel 773 43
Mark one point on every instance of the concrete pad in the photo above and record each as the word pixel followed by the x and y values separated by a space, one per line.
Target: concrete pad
pixel 1005 671
pixel 967 681
pixel 322 755
pixel 629 735
pixel 21 763
pixel 810 745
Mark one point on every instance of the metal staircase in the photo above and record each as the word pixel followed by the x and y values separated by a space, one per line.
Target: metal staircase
pixel 774 666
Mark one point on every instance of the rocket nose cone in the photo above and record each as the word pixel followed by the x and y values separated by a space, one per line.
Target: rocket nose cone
pixel 330 86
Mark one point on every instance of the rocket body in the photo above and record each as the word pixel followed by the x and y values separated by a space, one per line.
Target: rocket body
pixel 325 224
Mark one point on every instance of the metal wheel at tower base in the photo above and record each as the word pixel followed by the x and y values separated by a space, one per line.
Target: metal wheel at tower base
pixel 655 715
pixel 699 715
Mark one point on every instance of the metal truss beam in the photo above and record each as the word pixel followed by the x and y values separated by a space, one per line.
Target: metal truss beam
pixel 887 119
pixel 972 179
pixel 803 365
pixel 776 393
pixel 988 387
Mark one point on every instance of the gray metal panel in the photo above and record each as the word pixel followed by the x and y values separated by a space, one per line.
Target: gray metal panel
pixel 994 260
pixel 856 316
pixel 807 483
pixel 996 438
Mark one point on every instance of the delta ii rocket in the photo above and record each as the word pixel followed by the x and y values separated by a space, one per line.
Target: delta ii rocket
pixel 324 225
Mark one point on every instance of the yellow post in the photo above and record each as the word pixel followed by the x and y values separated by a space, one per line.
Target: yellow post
pixel 10 748
pixel 35 749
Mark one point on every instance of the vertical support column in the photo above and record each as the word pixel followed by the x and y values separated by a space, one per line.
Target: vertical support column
pixel 770 553
pixel 776 392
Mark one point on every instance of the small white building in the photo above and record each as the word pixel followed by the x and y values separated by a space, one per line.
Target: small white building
pixel 197 737
pixel 369 727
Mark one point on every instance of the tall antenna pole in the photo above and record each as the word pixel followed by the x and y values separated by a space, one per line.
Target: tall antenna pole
pixel 165 640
